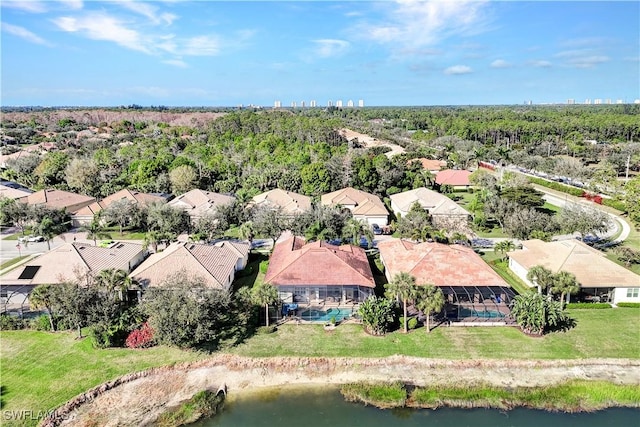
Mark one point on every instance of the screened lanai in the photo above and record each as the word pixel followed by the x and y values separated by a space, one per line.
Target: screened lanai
pixel 319 295
pixel 478 303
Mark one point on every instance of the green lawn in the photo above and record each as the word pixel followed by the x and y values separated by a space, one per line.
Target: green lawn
pixel 13 261
pixel 41 370
pixel 609 333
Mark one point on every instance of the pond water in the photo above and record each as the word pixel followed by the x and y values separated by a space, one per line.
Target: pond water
pixel 314 407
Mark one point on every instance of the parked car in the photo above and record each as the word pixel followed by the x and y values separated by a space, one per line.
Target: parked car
pixel 376 229
pixel 482 243
pixel 31 239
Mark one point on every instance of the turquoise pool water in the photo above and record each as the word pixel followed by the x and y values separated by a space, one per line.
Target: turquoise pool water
pixel 326 315
pixel 486 314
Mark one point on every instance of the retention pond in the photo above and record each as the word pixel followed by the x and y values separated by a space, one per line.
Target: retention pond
pixel 320 407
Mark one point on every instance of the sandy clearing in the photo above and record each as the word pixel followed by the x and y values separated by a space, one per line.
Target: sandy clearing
pixel 369 142
pixel 140 398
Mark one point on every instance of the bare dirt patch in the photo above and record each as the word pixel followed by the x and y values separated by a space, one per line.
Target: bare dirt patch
pixel 369 142
pixel 143 397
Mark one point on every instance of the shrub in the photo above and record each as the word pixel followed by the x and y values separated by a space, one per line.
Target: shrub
pixel 8 323
pixel 556 186
pixel 412 323
pixel 629 304
pixel 615 204
pixel 267 329
pixel 41 323
pixel 140 338
pixel 588 305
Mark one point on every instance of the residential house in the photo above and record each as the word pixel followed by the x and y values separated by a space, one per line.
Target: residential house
pixel 58 199
pixel 197 203
pixel 445 213
pixel 67 262
pixel 364 206
pixel 471 288
pixel 318 273
pixel 85 215
pixel 291 203
pixel 431 165
pixel 216 264
pixel 600 279
pixel 13 190
pixel 457 179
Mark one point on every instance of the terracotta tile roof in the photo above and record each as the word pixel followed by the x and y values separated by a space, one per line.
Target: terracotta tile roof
pixel 590 266
pixel 60 264
pixel 360 202
pixel 436 263
pixel 214 263
pixel 132 195
pixel 290 202
pixel 434 202
pixel 430 164
pixel 295 263
pixel 13 193
pixel 453 177
pixel 199 202
pixel 58 199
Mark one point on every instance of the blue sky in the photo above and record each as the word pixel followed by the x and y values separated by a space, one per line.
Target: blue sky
pixel 223 53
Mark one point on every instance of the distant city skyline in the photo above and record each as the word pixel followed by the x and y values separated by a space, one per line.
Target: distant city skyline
pixel 405 53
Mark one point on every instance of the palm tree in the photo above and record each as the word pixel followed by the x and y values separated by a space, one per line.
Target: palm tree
pixel 152 238
pixel 353 230
pixel 565 283
pixel 535 312
pixel 504 246
pixel 113 279
pixel 246 231
pixel 403 287
pixel 42 296
pixel 430 300
pixel 95 230
pixel 440 236
pixel 429 178
pixel 265 295
pixel 541 277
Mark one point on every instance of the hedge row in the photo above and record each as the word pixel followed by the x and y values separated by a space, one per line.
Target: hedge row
pixel 629 304
pixel 588 305
pixel 556 186
pixel 615 204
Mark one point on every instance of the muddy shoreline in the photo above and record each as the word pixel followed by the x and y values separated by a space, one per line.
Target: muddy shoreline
pixel 139 398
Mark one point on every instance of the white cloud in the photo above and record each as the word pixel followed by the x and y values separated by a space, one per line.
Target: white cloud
pixel 582 58
pixel 539 63
pixel 72 4
pixel 458 69
pixel 421 23
pixel 100 26
pixel 23 33
pixel 326 48
pixel 176 63
pixel 201 46
pixel 27 6
pixel 500 63
pixel 148 11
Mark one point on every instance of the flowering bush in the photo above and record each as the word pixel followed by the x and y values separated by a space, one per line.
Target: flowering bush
pixel 140 338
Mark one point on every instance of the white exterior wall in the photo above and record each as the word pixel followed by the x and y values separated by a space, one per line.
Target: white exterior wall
pixel 396 210
pixel 620 295
pixel 520 271
pixel 382 221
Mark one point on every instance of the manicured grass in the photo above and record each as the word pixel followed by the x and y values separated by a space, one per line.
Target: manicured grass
pixel 598 333
pixel 13 261
pixel 254 272
pixel 494 232
pixel 41 370
pixel 494 259
pixel 114 232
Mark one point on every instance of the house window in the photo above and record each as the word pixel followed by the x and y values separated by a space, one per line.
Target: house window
pixel 633 292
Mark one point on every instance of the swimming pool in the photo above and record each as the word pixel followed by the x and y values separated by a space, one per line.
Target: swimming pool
pixel 326 315
pixel 485 314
